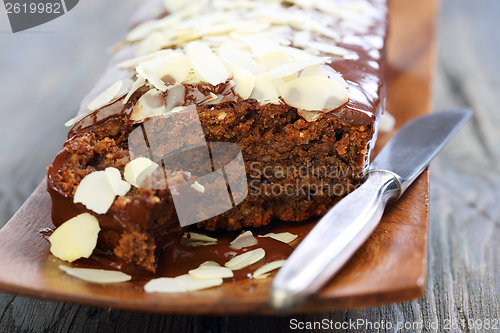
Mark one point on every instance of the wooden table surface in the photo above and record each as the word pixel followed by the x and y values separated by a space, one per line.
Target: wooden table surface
pixel 464 232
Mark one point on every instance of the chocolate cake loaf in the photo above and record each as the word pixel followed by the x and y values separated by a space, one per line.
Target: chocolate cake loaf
pixel 228 114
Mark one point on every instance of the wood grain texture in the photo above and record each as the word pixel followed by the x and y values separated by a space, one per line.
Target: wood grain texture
pixel 463 251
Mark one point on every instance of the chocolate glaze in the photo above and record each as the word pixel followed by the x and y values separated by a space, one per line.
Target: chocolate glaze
pixel 177 259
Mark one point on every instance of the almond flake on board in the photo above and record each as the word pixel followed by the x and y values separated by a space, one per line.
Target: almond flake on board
pixel 96 275
pixel 138 169
pixel 193 284
pixel 198 187
pixel 137 84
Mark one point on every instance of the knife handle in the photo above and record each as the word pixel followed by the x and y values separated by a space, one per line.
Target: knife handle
pixel 333 240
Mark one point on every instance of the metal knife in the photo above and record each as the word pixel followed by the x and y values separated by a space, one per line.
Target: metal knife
pixel 350 222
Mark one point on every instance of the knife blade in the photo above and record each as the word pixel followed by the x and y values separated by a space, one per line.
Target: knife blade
pixel 339 234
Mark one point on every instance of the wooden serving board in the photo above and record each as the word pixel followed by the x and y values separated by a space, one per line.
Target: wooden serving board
pixel 391 266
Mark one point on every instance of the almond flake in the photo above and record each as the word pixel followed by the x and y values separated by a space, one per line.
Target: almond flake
pixel 252 66
pixel 149 105
pixel 327 32
pixel 268 268
pixel 153 42
pixel 244 82
pixel 119 186
pixel 274 59
pixel 211 272
pixel 284 237
pixel 164 54
pixel 312 51
pixel 292 68
pixel 106 96
pixel 174 5
pixel 137 84
pixel 309 116
pixel 337 77
pixel 206 64
pixel 95 192
pixel 262 276
pixel 301 38
pixel 260 45
pixel 222 116
pixel 142 30
pixel 198 187
pixel 265 92
pixel 252 27
pixel 126 86
pixel 193 284
pixel 151 77
pixel 229 65
pixel 314 93
pixel 198 237
pixel 316 70
pixel 329 48
pixel 153 64
pixel 165 285
pixel 76 119
pixel 245 259
pixel 75 238
pixel 387 122
pixel 246 239
pixel 210 264
pixel 176 67
pixel 277 83
pixel 196 243
pixel 96 275
pixel 138 169
pixel 235 51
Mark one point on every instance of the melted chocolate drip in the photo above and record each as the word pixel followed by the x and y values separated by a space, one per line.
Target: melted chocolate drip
pixel 177 259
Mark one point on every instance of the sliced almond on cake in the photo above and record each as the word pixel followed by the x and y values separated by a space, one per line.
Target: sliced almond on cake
pixel 314 93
